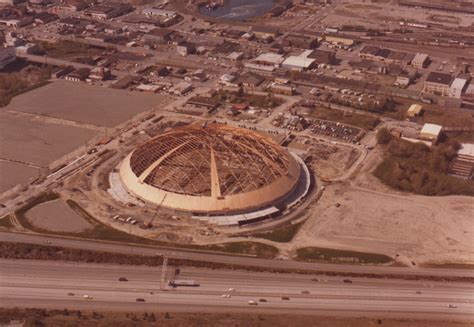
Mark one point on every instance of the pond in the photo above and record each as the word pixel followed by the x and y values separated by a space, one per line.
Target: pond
pixel 238 9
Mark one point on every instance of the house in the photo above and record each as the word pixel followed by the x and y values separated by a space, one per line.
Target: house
pixel 437 84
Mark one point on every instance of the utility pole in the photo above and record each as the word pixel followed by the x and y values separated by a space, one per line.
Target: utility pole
pixel 163 272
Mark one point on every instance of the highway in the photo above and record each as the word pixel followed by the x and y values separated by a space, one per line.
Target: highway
pixel 27 283
pixel 231 259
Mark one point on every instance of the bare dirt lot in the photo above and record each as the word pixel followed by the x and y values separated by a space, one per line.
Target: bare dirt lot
pixel 330 161
pixel 29 140
pixel 12 174
pixel 85 103
pixel 349 217
pixel 57 216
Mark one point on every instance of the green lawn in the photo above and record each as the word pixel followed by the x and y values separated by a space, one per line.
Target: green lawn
pixel 282 234
pixel 340 256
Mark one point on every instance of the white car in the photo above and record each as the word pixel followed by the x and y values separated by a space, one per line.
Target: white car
pixel 226 296
pixel 88 297
pixel 452 306
pixel 231 290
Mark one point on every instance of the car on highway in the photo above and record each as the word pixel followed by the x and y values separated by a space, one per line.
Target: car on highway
pixel 123 279
pixel 139 299
pixel 70 294
pixel 87 297
pixel 314 280
pixel 251 302
pixel 262 300
pixel 418 292
pixel 46 242
pixel 226 296
pixel 231 290
pixel 286 298
pixel 452 306
pixel 347 281
pixel 304 292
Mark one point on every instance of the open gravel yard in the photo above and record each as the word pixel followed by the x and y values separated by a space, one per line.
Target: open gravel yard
pixel 85 103
pixel 29 140
pixel 418 228
pixel 12 173
pixel 57 216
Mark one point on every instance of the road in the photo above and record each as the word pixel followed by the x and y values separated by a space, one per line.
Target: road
pixel 28 283
pixel 231 259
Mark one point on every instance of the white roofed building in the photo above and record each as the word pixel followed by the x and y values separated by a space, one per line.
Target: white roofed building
pixel 298 63
pixel 431 132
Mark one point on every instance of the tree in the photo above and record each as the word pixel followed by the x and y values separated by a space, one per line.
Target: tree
pixel 383 136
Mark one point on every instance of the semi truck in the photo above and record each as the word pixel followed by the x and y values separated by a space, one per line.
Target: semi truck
pixel 188 283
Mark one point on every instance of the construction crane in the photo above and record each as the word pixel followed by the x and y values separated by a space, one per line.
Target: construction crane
pixel 150 223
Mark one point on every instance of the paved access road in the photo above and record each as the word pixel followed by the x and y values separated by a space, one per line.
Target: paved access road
pixel 27 283
pixel 229 259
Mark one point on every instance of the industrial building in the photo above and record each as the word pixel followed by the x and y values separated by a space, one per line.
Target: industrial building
pixel 215 172
pixel 437 84
pixel 431 132
pixel 420 60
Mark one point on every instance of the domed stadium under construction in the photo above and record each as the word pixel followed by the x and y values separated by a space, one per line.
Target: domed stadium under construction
pixel 217 173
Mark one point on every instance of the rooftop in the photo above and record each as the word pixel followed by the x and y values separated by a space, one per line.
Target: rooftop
pixel 439 78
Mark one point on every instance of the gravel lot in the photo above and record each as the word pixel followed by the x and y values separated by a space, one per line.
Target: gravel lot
pixel 85 103
pixel 39 143
pixel 418 228
pixel 12 174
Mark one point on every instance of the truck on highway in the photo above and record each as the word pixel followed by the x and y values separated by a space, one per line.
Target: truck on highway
pixel 182 282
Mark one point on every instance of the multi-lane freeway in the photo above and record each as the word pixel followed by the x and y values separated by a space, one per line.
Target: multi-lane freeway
pixel 26 283
pixel 232 259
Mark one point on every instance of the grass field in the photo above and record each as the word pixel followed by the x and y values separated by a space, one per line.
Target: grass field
pixel 5 222
pixel 340 256
pixel 282 234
